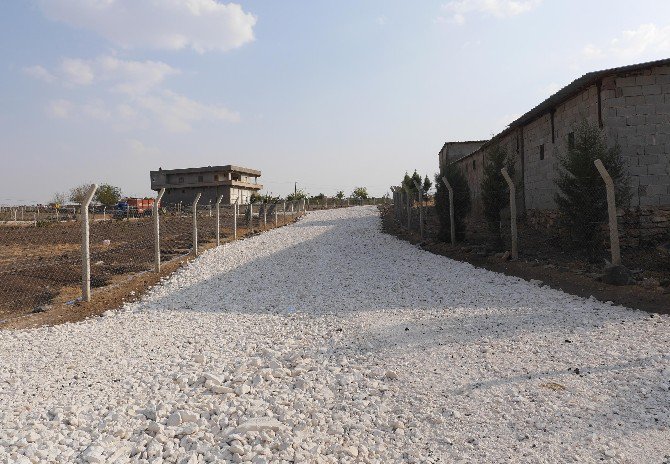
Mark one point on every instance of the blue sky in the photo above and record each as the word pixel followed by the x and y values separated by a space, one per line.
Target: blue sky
pixel 331 95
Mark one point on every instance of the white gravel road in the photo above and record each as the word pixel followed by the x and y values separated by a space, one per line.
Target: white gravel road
pixel 328 341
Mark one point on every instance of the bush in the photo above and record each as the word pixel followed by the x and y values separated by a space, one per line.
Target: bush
pixel 360 193
pixel 582 200
pixel 495 192
pixel 461 201
pixel 107 195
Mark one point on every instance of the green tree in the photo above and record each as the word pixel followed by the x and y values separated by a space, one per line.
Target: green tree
pixel 360 193
pixel 77 194
pixel 582 199
pixel 495 192
pixel 409 182
pixel 298 195
pixel 107 195
pixel 339 195
pixel 462 202
pixel 427 184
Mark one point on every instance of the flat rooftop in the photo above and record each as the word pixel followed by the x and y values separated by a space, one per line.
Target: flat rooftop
pixel 226 168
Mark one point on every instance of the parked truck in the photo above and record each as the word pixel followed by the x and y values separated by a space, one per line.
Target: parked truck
pixel 134 207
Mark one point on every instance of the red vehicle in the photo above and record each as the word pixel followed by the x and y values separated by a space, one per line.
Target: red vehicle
pixel 134 207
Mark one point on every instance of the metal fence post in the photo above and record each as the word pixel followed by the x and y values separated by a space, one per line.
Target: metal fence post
pixel 157 234
pixel 218 220
pixel 195 224
pixel 85 246
pixel 265 216
pixel 512 210
pixel 452 223
pixel 611 212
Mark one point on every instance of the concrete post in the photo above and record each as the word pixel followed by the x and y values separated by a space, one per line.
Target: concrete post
pixel 251 216
pixel 235 220
pixel 611 212
pixel 409 208
pixel 218 219
pixel 85 246
pixel 265 216
pixel 283 212
pixel 452 222
pixel 157 230
pixel 512 212
pixel 195 224
pixel 420 190
pixel 276 222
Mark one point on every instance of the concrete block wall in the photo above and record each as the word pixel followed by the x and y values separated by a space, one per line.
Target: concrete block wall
pixel 636 116
pixel 540 174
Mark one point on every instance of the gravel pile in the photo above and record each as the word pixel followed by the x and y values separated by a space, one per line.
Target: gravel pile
pixel 329 342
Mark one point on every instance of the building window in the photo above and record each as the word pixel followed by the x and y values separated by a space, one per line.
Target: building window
pixel 216 177
pixel 201 179
pixel 542 151
pixel 571 140
pixel 474 164
pixel 183 190
pixel 181 180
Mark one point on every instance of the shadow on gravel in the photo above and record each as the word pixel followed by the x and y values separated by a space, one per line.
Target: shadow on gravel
pixel 351 267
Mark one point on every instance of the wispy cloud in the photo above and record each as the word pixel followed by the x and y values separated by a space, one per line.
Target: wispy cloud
pixel 145 101
pixel 647 41
pixel 39 72
pixel 381 20
pixel 456 11
pixel 60 108
pixel 201 25
pixel 177 113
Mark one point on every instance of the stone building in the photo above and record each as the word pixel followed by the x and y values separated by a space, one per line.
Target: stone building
pixel 632 106
pixel 235 183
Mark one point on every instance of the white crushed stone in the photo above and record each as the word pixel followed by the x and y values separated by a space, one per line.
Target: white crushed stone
pixel 329 342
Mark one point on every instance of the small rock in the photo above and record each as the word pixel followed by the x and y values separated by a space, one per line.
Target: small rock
pixel 391 375
pixel 258 424
pixel 617 275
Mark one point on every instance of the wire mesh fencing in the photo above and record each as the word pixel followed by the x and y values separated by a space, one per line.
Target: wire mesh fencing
pixel 41 249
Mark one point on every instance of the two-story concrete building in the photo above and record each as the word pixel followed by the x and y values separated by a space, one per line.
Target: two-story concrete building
pixel 235 183
pixel 631 104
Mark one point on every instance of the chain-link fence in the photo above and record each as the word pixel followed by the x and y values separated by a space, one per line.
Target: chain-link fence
pixel 548 239
pixel 42 249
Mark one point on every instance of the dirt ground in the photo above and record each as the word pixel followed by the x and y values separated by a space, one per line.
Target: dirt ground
pixel 558 270
pixel 40 267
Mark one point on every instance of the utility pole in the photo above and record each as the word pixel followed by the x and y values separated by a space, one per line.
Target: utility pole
pixel 295 189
